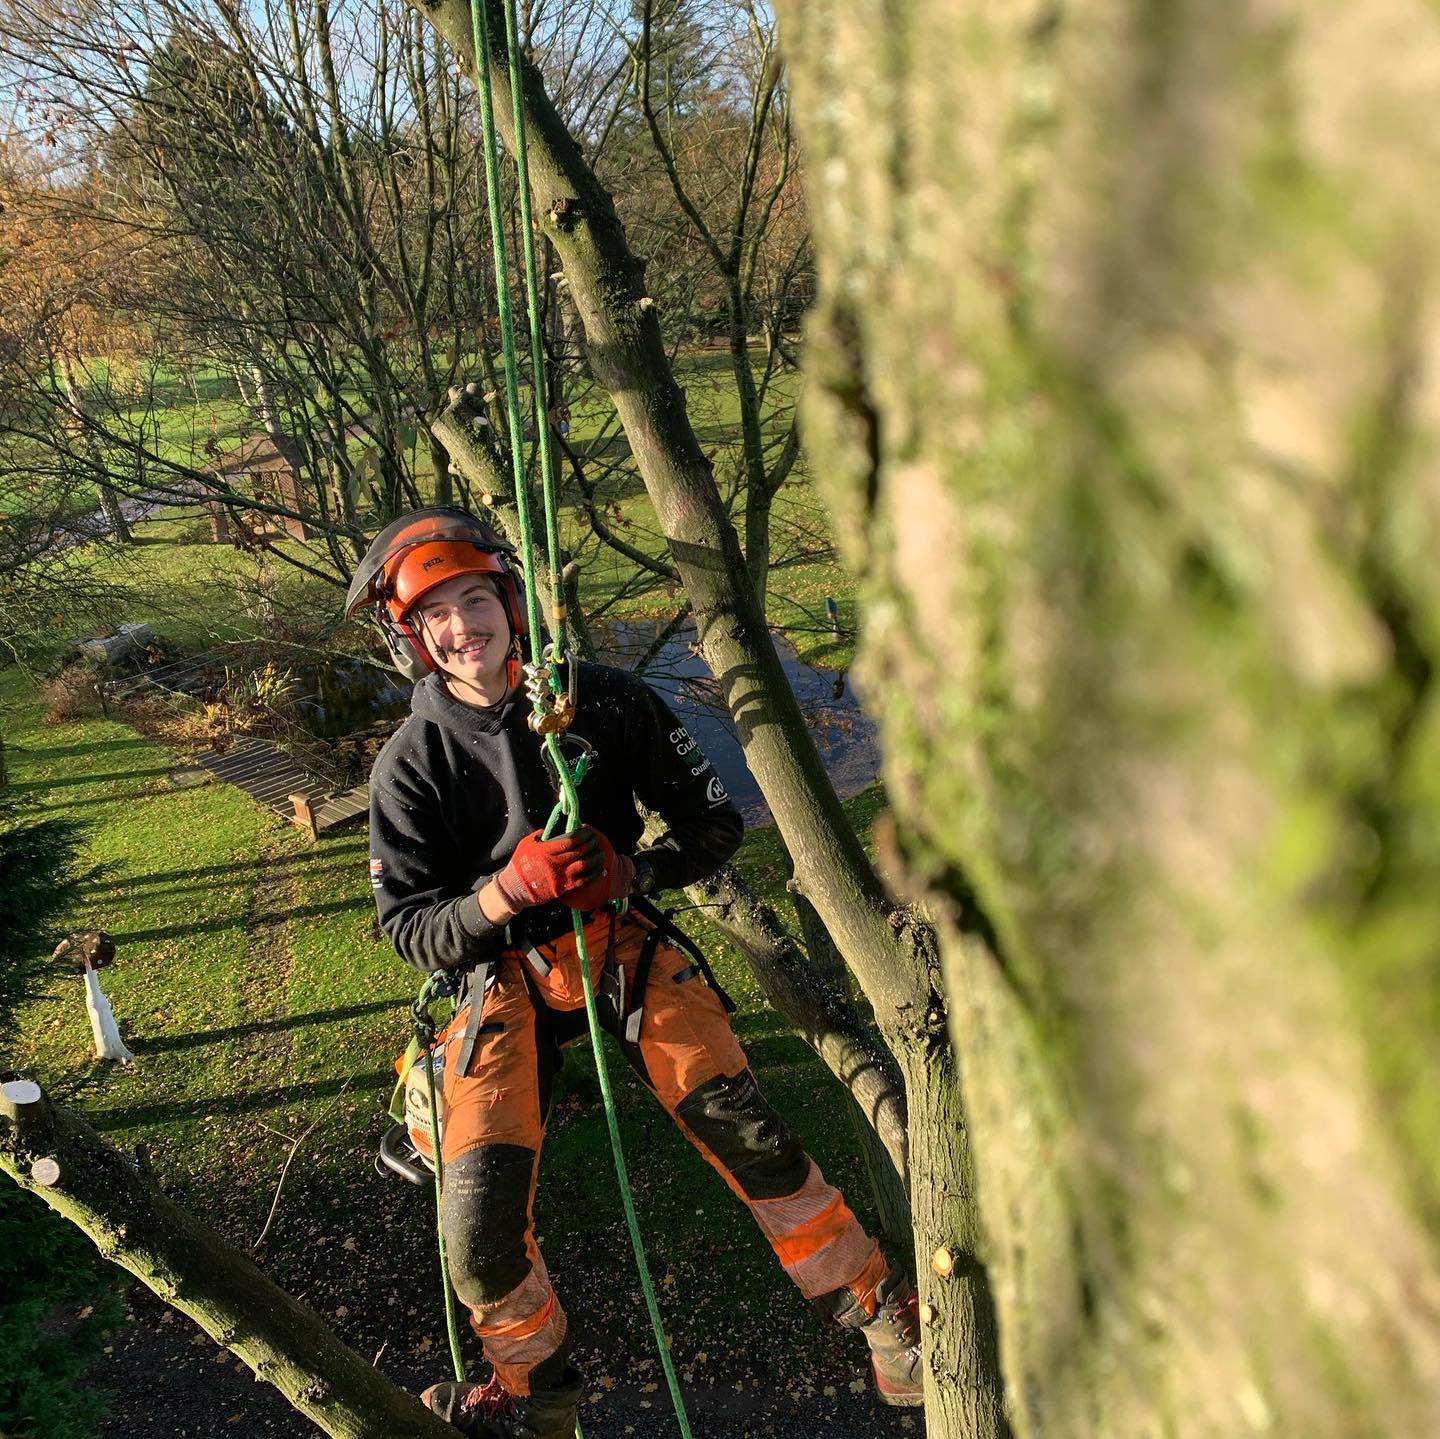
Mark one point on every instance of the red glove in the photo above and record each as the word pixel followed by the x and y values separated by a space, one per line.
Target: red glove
pixel 615 880
pixel 544 869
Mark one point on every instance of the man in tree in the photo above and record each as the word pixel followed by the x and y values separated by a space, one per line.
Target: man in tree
pixel 464 882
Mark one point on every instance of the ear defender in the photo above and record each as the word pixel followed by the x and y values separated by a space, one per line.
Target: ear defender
pixel 406 647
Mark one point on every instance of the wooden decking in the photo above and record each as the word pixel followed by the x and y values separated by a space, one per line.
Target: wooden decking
pixel 281 783
pixel 342 808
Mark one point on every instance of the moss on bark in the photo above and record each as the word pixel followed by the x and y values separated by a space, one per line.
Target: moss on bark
pixel 1122 392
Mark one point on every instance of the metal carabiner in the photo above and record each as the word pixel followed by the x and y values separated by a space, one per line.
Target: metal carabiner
pixel 581 766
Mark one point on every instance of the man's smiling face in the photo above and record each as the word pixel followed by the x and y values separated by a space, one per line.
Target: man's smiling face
pixel 467 632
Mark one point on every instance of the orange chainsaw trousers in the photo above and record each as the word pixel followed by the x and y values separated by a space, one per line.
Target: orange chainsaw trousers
pixel 677 1036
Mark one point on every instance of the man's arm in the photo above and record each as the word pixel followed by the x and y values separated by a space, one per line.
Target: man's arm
pixel 673 778
pixel 427 909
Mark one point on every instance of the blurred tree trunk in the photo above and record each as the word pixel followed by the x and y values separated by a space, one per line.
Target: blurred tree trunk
pixel 1123 393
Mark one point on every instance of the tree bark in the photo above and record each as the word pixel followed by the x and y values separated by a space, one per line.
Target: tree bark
pixel 1122 372
pixel 58 1156
pixel 266 408
pixel 109 500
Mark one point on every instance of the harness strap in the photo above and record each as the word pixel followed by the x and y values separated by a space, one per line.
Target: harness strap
pixel 474 995
pixel 665 924
pixel 612 969
pixel 642 979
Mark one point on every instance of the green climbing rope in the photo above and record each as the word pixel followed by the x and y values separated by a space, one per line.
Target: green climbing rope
pixel 567 808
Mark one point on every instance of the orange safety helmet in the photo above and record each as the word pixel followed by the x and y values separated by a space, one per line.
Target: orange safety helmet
pixel 414 555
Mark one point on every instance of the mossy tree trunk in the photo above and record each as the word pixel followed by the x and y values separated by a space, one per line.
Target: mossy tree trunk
pixel 889 950
pixel 1123 390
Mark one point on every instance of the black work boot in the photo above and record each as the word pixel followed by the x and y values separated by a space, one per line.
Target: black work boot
pixel 892 1331
pixel 491 1411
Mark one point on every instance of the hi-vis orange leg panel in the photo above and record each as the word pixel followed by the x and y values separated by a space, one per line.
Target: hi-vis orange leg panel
pixel 523 1329
pixel 493 1129
pixel 690 1057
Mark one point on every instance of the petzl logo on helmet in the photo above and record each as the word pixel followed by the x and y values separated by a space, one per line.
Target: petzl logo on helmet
pixel 430 564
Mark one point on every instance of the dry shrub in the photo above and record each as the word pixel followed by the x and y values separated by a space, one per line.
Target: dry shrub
pixel 176 721
pixel 232 702
pixel 70 695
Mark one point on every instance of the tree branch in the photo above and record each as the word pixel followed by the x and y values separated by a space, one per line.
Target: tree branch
pixel 57 1156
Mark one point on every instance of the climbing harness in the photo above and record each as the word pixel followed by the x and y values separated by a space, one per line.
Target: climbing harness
pixel 553 700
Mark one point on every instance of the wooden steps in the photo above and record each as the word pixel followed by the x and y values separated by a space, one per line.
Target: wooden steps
pixel 282 784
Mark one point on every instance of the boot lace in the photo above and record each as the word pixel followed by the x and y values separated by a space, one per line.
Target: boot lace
pixel 492 1399
pixel 904 1319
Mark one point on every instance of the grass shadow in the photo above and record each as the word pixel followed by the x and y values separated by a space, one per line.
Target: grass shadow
pixel 90 777
pixel 359 904
pixel 245 1101
pixel 61 751
pixel 267 1026
pixel 38 881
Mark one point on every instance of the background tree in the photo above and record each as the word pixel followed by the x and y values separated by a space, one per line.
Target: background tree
pixel 732 169
pixel 1123 395
pixel 51 471
pixel 55 274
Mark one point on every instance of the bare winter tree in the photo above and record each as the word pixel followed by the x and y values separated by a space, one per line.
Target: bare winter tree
pixel 309 224
pixel 711 95
pixel 890 950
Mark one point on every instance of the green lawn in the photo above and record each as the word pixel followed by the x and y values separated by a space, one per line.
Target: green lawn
pixel 259 1003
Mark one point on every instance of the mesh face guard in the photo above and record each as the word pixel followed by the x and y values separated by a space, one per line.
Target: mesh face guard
pixel 411 557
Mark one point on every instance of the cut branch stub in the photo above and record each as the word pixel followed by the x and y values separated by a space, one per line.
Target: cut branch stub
pixel 17 1096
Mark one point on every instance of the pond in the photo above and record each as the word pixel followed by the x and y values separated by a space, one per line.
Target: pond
pixel 340 697
pixel 844 735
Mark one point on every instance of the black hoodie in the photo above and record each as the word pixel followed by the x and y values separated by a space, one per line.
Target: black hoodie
pixel 456 788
